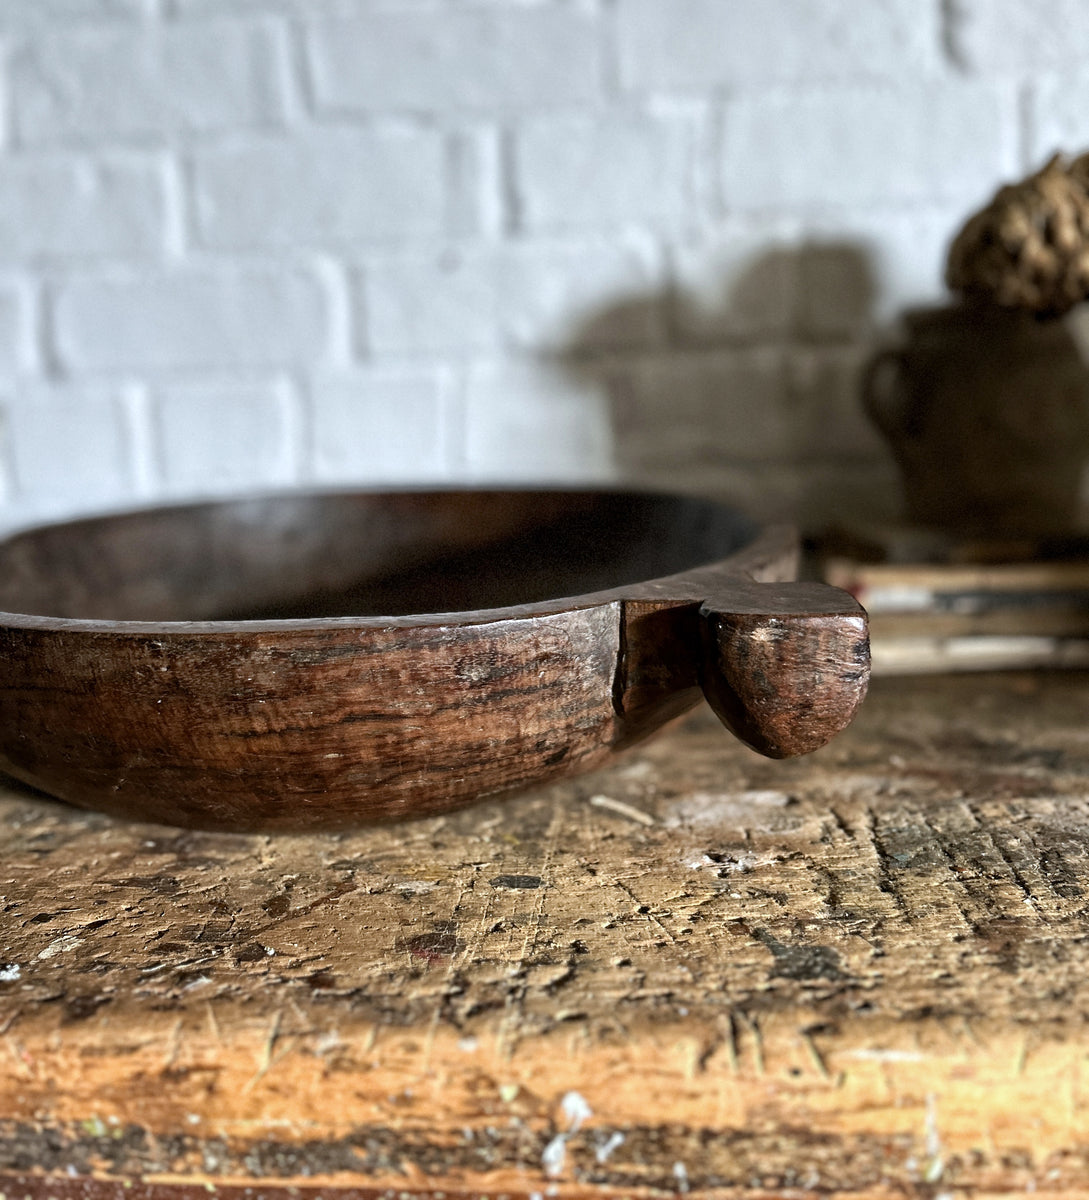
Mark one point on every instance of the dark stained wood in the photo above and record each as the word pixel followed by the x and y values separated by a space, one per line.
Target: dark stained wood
pixel 785 667
pixel 861 973
pixel 256 665
pixel 986 411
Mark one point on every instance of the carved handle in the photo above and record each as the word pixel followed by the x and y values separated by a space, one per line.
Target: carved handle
pixel 785 665
pixel 884 396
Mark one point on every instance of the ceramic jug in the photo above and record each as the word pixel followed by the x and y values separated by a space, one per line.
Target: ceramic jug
pixel 987 414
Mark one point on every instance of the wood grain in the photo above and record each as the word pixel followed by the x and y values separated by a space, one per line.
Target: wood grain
pixel 861 973
pixel 255 665
pixel 785 668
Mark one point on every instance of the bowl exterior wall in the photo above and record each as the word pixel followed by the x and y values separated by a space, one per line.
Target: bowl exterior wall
pixel 306 728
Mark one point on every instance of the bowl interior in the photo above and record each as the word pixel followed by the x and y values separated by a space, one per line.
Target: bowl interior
pixel 359 554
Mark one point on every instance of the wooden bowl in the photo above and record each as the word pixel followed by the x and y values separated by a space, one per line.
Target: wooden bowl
pixel 256 664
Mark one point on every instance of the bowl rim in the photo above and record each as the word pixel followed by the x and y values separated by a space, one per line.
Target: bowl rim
pixel 767 544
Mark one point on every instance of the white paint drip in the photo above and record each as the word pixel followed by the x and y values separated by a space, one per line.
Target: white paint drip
pixel 741 864
pixel 877 1055
pixel 328 1042
pixel 416 887
pixel 577 1111
pixel 61 946
pixel 9 972
pixel 680 1174
pixel 935 1166
pixel 608 1146
pixel 700 809
pixel 554 1156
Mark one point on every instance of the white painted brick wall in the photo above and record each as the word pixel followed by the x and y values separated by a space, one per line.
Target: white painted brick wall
pixel 69 447
pixel 604 171
pixel 189 319
pixel 1012 35
pixel 808 148
pixel 528 423
pixel 388 425
pixel 19 343
pixel 705 407
pixel 94 85
pixel 266 243
pixel 484 59
pixel 238 432
pixel 694 46
pixel 335 187
pixel 515 295
pixel 67 208
pixel 1058 103
pixel 18 14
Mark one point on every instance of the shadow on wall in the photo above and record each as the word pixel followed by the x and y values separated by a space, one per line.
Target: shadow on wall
pixel 751 394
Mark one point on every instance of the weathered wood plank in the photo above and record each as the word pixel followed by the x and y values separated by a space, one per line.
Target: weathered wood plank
pixel 864 972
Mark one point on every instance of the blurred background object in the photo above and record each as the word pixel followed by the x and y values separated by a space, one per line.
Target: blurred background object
pixel 986 409
pixel 1028 249
pixel 264 243
pixel 985 405
pixel 986 402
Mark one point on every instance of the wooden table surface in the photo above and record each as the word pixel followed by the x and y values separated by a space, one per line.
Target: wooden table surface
pixel 861 973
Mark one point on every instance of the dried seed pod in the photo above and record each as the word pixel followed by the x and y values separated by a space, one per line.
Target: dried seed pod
pixel 1029 248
